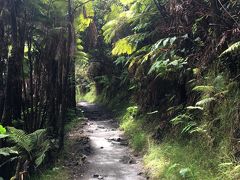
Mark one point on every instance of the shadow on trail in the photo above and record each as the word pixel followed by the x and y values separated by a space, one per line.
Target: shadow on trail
pixel 95 112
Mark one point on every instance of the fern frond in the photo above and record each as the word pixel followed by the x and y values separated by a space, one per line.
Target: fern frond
pixel 123 46
pixel 113 28
pixel 199 129
pixel 205 89
pixel 110 29
pixel 20 138
pixel 188 128
pixel 194 108
pixel 163 43
pixel 7 151
pixel 40 159
pixel 205 101
pixel 183 118
pixel 234 48
pixel 40 156
pixel 2 136
pixel 37 137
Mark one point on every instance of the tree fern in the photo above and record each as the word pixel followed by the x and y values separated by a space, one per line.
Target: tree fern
pixel 128 44
pixel 34 145
pixel 113 27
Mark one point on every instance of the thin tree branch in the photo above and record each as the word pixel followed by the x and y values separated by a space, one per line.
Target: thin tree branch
pixel 161 9
pixel 228 13
pixel 80 5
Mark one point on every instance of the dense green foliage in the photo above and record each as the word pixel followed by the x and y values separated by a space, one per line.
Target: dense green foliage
pixel 174 62
pixel 177 61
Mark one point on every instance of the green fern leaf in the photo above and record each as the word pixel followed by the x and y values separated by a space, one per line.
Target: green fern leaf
pixel 37 137
pixel 205 89
pixel 8 151
pixel 183 118
pixel 205 101
pixel 20 138
pixel 40 159
pixel 189 127
pixel 234 48
pixel 195 108
pixel 2 136
pixel 123 46
pixel 42 153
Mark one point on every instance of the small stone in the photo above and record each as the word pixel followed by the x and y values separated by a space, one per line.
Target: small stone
pixel 101 127
pixel 124 143
pixel 101 147
pixel 84 157
pixel 132 161
pixel 117 139
pixel 84 123
pixel 95 176
pixel 128 160
pixel 75 164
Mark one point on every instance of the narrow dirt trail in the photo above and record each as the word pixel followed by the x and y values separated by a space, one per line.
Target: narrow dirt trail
pixel 107 153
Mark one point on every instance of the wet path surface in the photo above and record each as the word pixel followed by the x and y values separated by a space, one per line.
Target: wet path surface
pixel 107 153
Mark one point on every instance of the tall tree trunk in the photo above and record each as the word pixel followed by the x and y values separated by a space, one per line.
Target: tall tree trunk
pixel 31 83
pixel 216 16
pixel 13 91
pixel 2 66
pixel 66 72
pixel 162 10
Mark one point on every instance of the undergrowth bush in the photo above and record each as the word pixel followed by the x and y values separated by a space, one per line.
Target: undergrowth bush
pixel 203 143
pixel 57 171
pixel 89 96
pixel 133 129
pixel 170 159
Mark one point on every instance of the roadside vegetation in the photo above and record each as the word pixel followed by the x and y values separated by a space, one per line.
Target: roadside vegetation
pixel 57 170
pixel 169 69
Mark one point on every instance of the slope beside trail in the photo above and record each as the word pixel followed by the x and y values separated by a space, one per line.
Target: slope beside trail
pixel 100 150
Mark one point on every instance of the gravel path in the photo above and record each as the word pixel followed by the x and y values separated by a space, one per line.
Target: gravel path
pixel 107 153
